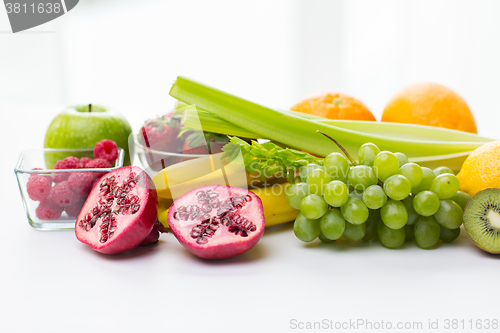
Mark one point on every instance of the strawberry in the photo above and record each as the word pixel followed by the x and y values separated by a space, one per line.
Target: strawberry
pixel 204 143
pixel 161 133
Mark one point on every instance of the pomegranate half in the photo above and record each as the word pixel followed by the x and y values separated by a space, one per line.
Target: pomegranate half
pixel 120 211
pixel 216 221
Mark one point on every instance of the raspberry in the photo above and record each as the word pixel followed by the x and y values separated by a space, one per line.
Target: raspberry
pixel 106 149
pixel 47 210
pixel 38 187
pixel 81 183
pixel 98 163
pixel 84 161
pixel 60 177
pixel 69 162
pixel 62 195
pixel 48 176
pixel 74 209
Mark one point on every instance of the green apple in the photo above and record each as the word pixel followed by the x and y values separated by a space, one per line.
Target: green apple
pixel 83 126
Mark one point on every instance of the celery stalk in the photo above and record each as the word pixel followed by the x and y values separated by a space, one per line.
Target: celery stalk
pixel 299 132
pixel 209 122
pixel 201 119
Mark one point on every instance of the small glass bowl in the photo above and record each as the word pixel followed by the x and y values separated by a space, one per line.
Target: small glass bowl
pixel 157 160
pixel 39 158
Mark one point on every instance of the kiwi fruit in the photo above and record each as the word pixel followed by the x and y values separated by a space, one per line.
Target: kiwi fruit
pixel 482 219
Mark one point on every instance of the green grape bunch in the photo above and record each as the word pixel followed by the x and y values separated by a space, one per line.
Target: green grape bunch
pixel 383 196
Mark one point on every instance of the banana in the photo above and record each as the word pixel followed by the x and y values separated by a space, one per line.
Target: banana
pixel 163 218
pixel 276 208
pixel 177 179
pixel 164 204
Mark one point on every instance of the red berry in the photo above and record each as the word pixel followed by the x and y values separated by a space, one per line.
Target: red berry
pixel 98 163
pixel 38 187
pixel 84 161
pixel 81 183
pixel 106 149
pixel 74 209
pixel 62 195
pixel 161 133
pixel 69 162
pixel 47 210
pixel 60 177
pixel 49 177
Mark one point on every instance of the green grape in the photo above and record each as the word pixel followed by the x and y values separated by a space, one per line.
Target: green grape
pixel 354 211
pixel 306 229
pixel 425 184
pixel 449 235
pixel 426 203
pixel 356 194
pixel 394 214
pixel 442 170
pixel 337 166
pixel 412 214
pixel 371 225
pixel 461 198
pixel 325 240
pixel 316 179
pixel 409 232
pixel 295 193
pixel 427 232
pixel 332 224
pixel 449 214
pixel 391 238
pixel 305 170
pixel 336 193
pixel 397 187
pixel 367 153
pixel 385 165
pixel 361 176
pixel 313 206
pixel 445 186
pixel 413 172
pixel 401 158
pixel 354 232
pixel 374 197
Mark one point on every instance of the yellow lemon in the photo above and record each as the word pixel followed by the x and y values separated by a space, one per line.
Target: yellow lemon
pixel 481 169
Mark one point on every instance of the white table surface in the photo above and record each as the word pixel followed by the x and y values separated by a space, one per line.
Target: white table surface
pixel 50 282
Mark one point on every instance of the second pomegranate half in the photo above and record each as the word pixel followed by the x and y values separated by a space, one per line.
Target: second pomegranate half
pixel 217 222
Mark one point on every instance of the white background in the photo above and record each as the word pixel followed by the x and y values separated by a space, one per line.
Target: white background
pixel 127 53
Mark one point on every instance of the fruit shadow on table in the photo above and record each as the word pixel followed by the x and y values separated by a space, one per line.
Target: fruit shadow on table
pixel 138 252
pixel 342 245
pixel 255 254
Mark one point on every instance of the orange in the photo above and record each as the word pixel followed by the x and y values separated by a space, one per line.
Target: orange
pixel 430 104
pixel 481 169
pixel 334 106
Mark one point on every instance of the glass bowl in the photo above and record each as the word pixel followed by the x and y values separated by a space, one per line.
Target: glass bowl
pixel 156 160
pixel 39 159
